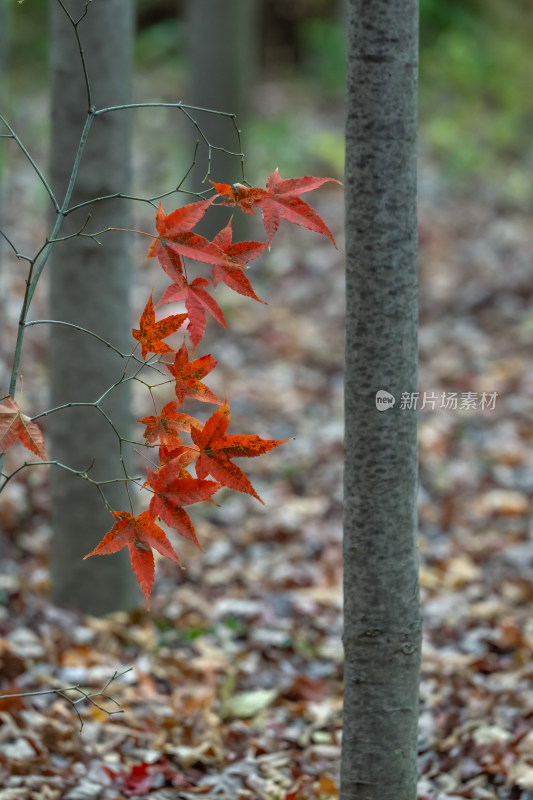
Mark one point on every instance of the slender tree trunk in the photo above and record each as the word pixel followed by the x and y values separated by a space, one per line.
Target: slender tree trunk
pixel 222 61
pixel 382 615
pixel 89 286
pixel 4 29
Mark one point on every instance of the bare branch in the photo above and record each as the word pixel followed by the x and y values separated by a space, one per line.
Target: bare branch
pixel 84 695
pixel 89 332
pixel 12 246
pixel 75 24
pixel 32 162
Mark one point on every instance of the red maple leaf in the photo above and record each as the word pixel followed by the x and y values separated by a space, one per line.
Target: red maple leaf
pixel 174 490
pixel 142 778
pixel 165 427
pixel 217 450
pixel 169 453
pixel 139 534
pixel 14 425
pixel 240 195
pixel 188 374
pixel 175 235
pixel 279 201
pixel 197 300
pixel 151 332
pixel 231 261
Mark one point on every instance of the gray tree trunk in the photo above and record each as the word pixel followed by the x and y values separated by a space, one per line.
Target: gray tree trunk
pixel 4 28
pixel 382 614
pixel 89 286
pixel 222 41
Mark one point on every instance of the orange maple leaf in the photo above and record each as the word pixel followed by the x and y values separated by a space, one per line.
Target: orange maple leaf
pixel 165 427
pixel 139 534
pixel 14 425
pixel 176 237
pixel 231 262
pixel 173 491
pixel 279 201
pixel 216 450
pixel 188 374
pixel 151 332
pixel 185 455
pixel 197 301
pixel 240 195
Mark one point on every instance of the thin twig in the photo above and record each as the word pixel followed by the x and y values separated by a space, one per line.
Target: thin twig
pixel 32 162
pixel 75 24
pixel 89 332
pixel 10 243
pixel 81 473
pixel 84 695
pixel 150 200
pixel 180 105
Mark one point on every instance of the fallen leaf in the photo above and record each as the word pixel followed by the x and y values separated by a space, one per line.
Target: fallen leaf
pixel 247 704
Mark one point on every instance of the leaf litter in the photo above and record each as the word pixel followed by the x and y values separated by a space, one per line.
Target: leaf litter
pixel 236 682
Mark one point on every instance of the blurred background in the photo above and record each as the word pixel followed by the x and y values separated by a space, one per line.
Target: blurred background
pixel 268 586
pixel 475 98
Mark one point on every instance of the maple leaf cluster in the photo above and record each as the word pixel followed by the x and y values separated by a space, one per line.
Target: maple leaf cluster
pixel 211 450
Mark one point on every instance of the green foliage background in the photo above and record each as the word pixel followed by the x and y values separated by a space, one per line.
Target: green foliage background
pixel 476 102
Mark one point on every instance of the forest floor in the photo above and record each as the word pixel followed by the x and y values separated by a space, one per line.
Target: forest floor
pixel 233 686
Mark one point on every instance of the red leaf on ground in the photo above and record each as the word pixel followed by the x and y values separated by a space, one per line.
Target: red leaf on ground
pixel 16 426
pixel 187 375
pixel 151 332
pixel 216 450
pixel 165 427
pixel 140 779
pixel 139 534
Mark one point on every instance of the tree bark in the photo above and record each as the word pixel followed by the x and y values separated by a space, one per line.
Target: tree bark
pixel 382 630
pixel 89 286
pixel 4 28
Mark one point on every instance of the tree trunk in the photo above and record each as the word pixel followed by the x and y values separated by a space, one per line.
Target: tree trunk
pixel 382 615
pixel 222 62
pixel 89 286
pixel 4 28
